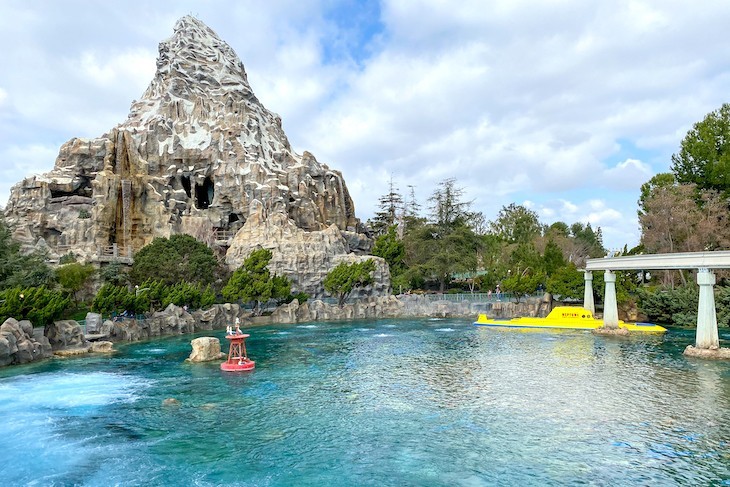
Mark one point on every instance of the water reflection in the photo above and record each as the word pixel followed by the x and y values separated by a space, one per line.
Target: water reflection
pixel 382 403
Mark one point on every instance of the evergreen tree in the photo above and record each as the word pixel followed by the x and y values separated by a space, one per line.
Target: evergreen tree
pixel 552 258
pixel 392 249
pixel 179 258
pixel 252 282
pixel 18 269
pixel 73 277
pixel 391 208
pixel 344 278
pixel 704 155
pixel 592 239
pixel 447 208
pixel 412 213
pixel 567 282
pixel 516 224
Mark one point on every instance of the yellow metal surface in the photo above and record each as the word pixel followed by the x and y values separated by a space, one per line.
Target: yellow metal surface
pixel 567 318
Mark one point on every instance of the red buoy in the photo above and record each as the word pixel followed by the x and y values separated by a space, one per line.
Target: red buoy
pixel 237 359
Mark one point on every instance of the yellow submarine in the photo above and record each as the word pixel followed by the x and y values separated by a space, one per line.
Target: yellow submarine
pixel 566 318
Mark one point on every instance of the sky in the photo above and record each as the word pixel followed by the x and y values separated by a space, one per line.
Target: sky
pixel 564 106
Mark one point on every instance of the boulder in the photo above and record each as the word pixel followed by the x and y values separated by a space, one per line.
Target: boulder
pixel 102 346
pixel 219 316
pixel 93 322
pixel 205 349
pixel 65 334
pixel 20 343
pixel 173 320
pixel 126 330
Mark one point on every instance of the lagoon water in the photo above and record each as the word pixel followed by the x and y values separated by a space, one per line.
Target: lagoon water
pixel 417 402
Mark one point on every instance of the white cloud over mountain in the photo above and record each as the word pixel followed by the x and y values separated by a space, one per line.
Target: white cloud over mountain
pixel 569 105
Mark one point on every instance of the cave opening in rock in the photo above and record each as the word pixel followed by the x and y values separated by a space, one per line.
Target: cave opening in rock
pixel 83 188
pixel 232 218
pixel 204 194
pixel 185 180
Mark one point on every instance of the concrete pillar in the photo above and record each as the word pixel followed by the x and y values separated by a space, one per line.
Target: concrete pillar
pixel 610 308
pixel 588 292
pixel 706 318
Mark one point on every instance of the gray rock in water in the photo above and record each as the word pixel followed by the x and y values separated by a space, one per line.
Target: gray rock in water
pixel 205 349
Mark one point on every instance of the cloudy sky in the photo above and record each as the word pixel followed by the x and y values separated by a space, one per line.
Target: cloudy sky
pixel 564 106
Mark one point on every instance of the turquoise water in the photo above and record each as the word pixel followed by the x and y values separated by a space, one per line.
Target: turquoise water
pixel 419 402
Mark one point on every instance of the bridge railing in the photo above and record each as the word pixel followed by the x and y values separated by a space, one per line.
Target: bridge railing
pixel 472 297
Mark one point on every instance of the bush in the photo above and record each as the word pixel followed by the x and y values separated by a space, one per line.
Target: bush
pixel 74 276
pixel 181 258
pixel 671 306
pixel 344 278
pixel 113 299
pixel 114 273
pixel 252 282
pixel 39 305
pixel 152 296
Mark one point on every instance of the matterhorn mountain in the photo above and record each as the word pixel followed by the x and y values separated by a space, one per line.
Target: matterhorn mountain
pixel 198 154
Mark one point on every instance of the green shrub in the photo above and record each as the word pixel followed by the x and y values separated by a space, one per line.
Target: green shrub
pixel 181 258
pixel 252 282
pixel 37 304
pixel 670 306
pixel 344 278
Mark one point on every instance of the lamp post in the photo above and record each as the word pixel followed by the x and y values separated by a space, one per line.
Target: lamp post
pixel 137 290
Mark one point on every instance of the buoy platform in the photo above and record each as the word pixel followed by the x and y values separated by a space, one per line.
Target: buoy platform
pixel 237 358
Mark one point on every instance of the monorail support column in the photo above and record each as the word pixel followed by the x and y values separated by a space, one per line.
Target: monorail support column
pixel 707 336
pixel 588 292
pixel 610 308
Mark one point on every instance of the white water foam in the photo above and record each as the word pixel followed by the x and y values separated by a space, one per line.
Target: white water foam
pixel 69 390
pixel 43 406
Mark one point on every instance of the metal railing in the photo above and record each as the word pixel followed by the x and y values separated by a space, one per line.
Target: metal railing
pixel 472 297
pixel 224 235
pixel 114 252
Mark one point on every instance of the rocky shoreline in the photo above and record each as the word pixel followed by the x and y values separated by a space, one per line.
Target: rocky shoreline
pixel 20 343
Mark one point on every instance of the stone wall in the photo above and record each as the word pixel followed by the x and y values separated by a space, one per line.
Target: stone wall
pixel 407 306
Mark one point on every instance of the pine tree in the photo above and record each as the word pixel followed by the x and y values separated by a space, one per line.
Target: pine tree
pixel 391 207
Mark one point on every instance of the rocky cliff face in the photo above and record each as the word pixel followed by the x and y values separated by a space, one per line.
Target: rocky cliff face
pixel 197 154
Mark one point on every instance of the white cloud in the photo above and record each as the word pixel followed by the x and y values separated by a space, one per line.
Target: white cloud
pixel 16 161
pixel 117 70
pixel 629 174
pixel 518 100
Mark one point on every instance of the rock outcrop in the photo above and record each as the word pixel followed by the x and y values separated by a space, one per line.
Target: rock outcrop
pixel 198 154
pixel 65 334
pixel 305 257
pixel 21 344
pixel 205 349
pixel 174 320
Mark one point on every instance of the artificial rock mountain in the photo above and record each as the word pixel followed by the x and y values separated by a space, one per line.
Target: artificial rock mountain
pixel 198 154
